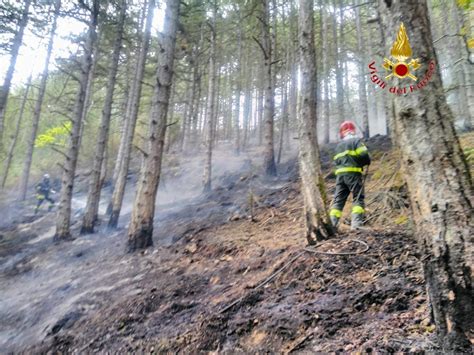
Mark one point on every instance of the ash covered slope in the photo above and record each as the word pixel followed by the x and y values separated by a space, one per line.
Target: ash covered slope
pixel 87 295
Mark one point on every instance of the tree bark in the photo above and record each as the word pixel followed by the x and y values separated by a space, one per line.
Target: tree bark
pixel 63 220
pixel 439 183
pixel 188 137
pixel 123 159
pixel 247 101
pixel 464 73
pixel 140 230
pixel 318 224
pixel 95 184
pixel 37 111
pixel 238 85
pixel 269 108
pixel 363 106
pixel 337 57
pixel 327 113
pixel 5 89
pixel 210 104
pixel 11 150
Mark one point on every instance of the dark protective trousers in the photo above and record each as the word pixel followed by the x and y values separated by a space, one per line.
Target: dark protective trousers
pixel 345 184
pixel 41 198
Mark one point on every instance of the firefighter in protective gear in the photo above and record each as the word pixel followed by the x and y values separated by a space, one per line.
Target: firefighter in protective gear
pixel 350 157
pixel 43 189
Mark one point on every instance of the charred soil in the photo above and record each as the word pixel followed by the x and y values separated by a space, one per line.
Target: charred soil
pixel 200 288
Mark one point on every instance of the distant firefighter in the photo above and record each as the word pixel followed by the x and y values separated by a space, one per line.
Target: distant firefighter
pixel 43 189
pixel 351 156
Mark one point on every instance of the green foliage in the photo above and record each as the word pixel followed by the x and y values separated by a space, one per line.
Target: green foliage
pixel 469 154
pixel 54 136
pixel 464 4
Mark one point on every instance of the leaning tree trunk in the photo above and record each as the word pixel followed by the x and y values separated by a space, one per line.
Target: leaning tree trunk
pixel 95 183
pixel 438 180
pixel 63 220
pixel 140 230
pixel 11 150
pixel 37 111
pixel 131 120
pixel 5 89
pixel 318 224
pixel 269 108
pixel 210 104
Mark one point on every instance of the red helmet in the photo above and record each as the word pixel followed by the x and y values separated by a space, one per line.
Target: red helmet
pixel 346 127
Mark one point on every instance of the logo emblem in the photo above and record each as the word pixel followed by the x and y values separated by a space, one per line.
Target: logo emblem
pixel 401 51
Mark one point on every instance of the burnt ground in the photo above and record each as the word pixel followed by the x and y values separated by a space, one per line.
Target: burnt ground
pixel 199 288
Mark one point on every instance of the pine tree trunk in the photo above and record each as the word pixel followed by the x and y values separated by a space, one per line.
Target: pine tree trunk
pixel 123 159
pixel 260 106
pixel 5 89
pixel 238 87
pixel 439 183
pixel 37 111
pixel 283 121
pixel 464 73
pixel 210 104
pixel 247 101
pixel 11 150
pixel 325 67
pixel 67 183
pixel 95 183
pixel 292 96
pixel 186 121
pixel 318 225
pixel 140 230
pixel 195 118
pixel 269 108
pixel 193 102
pixel 363 108
pixel 339 80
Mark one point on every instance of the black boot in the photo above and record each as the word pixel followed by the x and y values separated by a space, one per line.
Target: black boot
pixel 357 220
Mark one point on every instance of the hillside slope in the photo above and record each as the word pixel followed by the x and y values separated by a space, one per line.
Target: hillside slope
pixel 214 281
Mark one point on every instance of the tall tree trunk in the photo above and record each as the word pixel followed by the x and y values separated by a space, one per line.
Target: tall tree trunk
pixel 260 106
pixel 193 141
pixel 11 150
pixel 5 89
pixel 464 72
pixel 318 224
pixel 95 183
pixel 210 103
pixel 327 113
pixel 363 108
pixel 247 100
pixel 90 87
pixel 63 220
pixel 283 121
pixel 140 230
pixel 238 85
pixel 131 121
pixel 37 111
pixel 193 104
pixel 292 97
pixel 186 121
pixel 269 109
pixel 439 183
pixel 337 56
